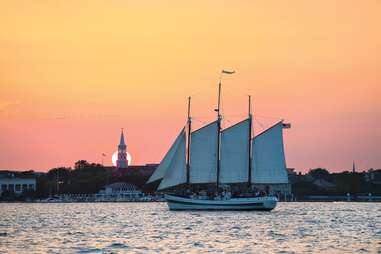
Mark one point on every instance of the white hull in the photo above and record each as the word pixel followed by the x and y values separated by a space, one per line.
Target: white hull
pixel 252 203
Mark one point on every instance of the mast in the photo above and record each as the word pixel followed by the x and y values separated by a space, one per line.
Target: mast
pixel 188 138
pixel 219 127
pixel 250 140
pixel 218 135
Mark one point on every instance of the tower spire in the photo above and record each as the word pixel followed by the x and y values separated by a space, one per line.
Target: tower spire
pixel 122 143
pixel 122 161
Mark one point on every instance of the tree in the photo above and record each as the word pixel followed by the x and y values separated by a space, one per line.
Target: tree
pixel 81 164
pixel 62 173
pixel 319 173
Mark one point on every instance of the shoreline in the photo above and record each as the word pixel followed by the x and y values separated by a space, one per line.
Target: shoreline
pixel 297 201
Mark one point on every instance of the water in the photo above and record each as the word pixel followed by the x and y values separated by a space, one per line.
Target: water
pixel 150 228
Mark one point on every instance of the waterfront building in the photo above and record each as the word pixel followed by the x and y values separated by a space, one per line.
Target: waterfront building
pixel 17 185
pixel 144 171
pixel 323 184
pixel 119 191
pixel 373 176
pixel 122 161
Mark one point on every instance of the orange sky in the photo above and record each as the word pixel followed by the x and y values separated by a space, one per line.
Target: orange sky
pixel 72 73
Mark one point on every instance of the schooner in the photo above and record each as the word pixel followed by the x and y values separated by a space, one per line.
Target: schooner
pixel 212 155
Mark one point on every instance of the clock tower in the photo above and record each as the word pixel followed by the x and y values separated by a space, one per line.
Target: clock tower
pixel 122 161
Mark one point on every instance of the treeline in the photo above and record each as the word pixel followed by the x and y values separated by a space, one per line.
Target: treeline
pixel 89 178
pixel 320 181
pixel 84 178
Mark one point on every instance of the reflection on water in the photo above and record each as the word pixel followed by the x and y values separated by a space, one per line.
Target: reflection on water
pixel 150 227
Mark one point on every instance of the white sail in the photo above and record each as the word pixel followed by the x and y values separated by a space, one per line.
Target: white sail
pixel 176 172
pixel 166 161
pixel 235 153
pixel 269 164
pixel 203 154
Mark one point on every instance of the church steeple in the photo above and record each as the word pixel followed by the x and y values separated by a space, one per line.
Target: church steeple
pixel 121 142
pixel 122 161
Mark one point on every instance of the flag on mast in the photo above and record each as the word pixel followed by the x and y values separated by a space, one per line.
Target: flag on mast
pixel 228 72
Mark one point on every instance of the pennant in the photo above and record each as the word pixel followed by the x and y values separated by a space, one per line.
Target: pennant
pixel 227 72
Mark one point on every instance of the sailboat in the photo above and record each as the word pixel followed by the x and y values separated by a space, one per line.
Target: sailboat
pixel 211 156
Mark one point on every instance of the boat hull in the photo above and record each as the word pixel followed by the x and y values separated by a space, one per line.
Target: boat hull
pixel 177 203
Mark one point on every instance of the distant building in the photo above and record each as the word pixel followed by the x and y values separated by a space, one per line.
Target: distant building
pixel 324 184
pixel 141 170
pixel 136 170
pixel 119 191
pixel 17 185
pixel 292 175
pixel 373 176
pixel 122 161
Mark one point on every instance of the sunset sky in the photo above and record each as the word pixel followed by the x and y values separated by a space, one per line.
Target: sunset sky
pixel 73 73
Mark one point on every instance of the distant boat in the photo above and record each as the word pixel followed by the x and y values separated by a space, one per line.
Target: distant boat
pixel 211 156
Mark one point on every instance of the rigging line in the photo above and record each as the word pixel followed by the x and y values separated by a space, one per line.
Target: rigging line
pixel 197 120
pixel 222 105
pixel 202 90
pixel 243 115
pixel 269 117
pixel 205 90
pixel 226 122
pixel 195 116
pixel 221 98
pixel 203 117
pixel 229 88
pixel 260 124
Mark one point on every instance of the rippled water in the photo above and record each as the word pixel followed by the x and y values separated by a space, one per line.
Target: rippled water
pixel 150 227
